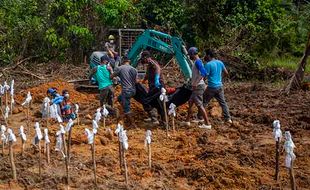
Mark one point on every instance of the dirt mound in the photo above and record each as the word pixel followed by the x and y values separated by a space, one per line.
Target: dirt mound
pixel 39 92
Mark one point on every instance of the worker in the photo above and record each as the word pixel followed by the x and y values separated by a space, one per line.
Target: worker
pixel 153 73
pixel 198 88
pixel 214 69
pixel 110 48
pixel 128 78
pixel 102 75
pixel 67 108
pixel 155 82
pixel 54 96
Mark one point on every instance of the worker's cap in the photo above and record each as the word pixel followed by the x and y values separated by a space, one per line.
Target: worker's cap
pixel 105 57
pixel 145 54
pixel 51 90
pixel 111 37
pixel 192 51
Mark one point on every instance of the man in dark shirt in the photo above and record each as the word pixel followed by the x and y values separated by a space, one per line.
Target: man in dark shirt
pixel 128 78
pixel 155 82
pixel 153 73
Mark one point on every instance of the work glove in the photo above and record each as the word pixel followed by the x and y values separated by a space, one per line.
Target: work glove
pixel 157 83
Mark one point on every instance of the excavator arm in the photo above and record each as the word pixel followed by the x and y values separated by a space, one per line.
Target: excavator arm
pixel 164 43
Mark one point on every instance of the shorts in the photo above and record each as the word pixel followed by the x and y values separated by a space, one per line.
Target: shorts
pixel 197 95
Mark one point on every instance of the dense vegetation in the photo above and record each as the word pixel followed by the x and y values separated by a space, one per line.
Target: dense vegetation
pixel 67 29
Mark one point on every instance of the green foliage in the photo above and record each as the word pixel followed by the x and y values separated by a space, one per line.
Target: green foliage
pixel 117 13
pixel 66 31
pixel 169 14
pixel 261 19
pixel 58 28
pixel 289 63
pixel 248 29
pixel 19 21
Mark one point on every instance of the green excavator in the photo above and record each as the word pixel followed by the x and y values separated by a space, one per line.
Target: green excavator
pixel 149 39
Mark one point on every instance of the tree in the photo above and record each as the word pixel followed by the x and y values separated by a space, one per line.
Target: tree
pixel 19 21
pixel 297 78
pixel 117 13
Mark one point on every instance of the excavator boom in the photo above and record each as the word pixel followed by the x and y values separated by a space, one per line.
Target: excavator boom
pixel 164 43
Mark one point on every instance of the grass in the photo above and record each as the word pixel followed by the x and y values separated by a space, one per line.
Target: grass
pixel 289 63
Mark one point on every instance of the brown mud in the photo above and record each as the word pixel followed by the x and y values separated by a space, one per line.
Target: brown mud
pixel 237 156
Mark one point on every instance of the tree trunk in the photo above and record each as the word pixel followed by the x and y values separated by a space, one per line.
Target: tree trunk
pixel 297 78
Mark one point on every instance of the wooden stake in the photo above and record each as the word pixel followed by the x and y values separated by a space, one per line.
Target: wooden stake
pixel 104 122
pixel 173 124
pixel 149 155
pixel 11 102
pixel 277 159
pixel 125 167
pixel 23 147
pixel 48 153
pixel 64 144
pixel 292 176
pixel 66 159
pixel 12 160
pixel 40 158
pixel 69 145
pixel 67 171
pixel 166 116
pixel 94 161
pixel 120 154
pixel 28 127
pixel 6 98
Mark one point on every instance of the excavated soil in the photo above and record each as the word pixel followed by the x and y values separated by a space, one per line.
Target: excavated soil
pixel 237 156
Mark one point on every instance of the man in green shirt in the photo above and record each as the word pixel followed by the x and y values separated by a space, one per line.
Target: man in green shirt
pixel 102 74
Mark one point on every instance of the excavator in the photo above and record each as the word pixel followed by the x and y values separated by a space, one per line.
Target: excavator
pixel 149 39
pixel 165 43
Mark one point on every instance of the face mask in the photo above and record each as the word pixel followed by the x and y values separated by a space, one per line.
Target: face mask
pixel 111 41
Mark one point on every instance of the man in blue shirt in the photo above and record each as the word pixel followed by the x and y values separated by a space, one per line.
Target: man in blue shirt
pixel 198 88
pixel 214 69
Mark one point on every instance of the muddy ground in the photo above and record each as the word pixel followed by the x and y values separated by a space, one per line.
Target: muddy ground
pixel 237 156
